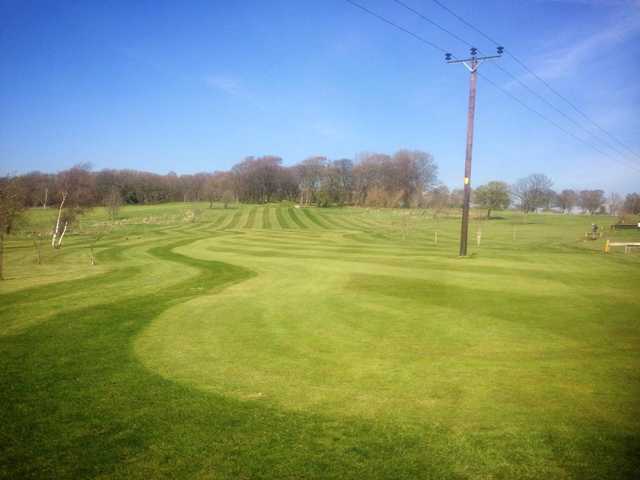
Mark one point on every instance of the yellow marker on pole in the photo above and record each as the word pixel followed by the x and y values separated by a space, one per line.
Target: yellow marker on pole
pixel 606 246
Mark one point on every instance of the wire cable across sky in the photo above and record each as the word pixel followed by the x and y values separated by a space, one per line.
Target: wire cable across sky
pixel 622 160
pixel 535 75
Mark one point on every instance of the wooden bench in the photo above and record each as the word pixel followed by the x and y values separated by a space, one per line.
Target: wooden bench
pixel 627 246
pixel 625 226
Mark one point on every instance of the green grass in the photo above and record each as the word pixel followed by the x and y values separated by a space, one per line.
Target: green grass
pixel 273 342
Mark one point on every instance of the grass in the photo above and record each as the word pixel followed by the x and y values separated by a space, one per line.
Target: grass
pixel 273 342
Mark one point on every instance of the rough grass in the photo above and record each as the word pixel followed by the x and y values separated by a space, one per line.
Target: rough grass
pixel 272 342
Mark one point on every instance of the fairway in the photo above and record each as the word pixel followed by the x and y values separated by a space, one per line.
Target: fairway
pixel 270 341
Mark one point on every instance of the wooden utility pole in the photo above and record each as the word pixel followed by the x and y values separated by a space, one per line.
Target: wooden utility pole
pixel 472 65
pixel 471 111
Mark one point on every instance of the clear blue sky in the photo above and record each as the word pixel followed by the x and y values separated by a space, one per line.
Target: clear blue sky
pixel 197 86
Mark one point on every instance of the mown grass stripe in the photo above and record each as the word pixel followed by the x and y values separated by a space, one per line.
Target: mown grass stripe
pixel 314 218
pixel 219 219
pixel 296 219
pixel 330 219
pixel 266 221
pixel 273 218
pixel 251 217
pixel 353 224
pixel 235 219
pixel 284 223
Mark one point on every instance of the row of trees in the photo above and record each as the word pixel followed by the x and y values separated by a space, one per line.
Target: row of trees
pixel 404 179
pixel 535 192
pixel 397 180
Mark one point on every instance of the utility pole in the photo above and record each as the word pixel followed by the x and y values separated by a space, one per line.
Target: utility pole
pixel 472 65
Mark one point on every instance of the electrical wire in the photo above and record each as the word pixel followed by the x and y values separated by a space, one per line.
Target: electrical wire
pixel 399 27
pixel 537 77
pixel 511 75
pixel 484 77
pixel 554 123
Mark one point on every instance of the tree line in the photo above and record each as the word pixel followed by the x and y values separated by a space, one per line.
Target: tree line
pixel 407 178
pixel 397 180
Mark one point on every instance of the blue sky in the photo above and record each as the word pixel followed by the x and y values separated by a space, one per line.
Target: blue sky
pixel 197 86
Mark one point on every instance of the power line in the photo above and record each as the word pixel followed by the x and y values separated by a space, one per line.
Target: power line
pixel 506 92
pixel 434 23
pixel 399 27
pixel 506 71
pixel 551 105
pixel 537 77
pixel 554 123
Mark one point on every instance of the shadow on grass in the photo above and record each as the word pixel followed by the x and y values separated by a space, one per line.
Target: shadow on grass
pixel 78 404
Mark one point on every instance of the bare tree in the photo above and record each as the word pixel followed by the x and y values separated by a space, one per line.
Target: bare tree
pixel 415 172
pixel 591 200
pixel 76 191
pixel 341 181
pixel 533 192
pixel 11 207
pixel 398 181
pixel 311 173
pixel 567 200
pixel 113 201
pixel 614 203
pixel 216 185
pixel 632 203
pixel 456 198
pixel 437 199
pixel 257 179
pixel 227 198
pixel 493 196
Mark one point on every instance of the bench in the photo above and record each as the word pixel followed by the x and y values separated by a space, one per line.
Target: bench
pixel 627 246
pixel 626 226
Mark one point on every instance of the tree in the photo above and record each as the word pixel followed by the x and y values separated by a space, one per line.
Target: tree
pixel 36 186
pixel 415 172
pixel 227 198
pixel 632 203
pixel 398 181
pixel 216 185
pixel 367 177
pixel 437 199
pixel 341 178
pixel 567 200
pixel 311 173
pixel 456 198
pixel 614 203
pixel 533 192
pixel 12 197
pixel 591 200
pixel 257 180
pixel 113 201
pixel 493 196
pixel 76 191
